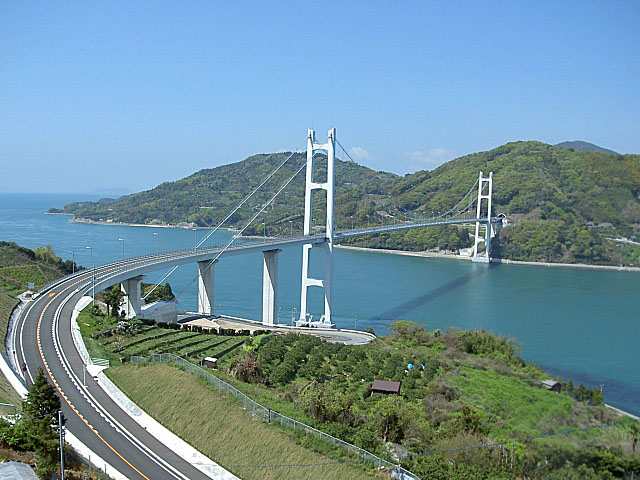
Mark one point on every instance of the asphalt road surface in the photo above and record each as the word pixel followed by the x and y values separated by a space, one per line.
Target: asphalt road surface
pixel 43 340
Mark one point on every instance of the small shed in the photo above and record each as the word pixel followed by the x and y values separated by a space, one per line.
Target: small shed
pixel 17 471
pixel 385 387
pixel 210 362
pixel 552 385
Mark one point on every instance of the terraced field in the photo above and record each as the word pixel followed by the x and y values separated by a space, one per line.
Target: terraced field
pixel 150 339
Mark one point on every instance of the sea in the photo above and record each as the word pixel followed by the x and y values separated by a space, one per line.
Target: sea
pixel 578 324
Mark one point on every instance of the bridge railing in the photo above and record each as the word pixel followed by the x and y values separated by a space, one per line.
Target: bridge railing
pixel 271 416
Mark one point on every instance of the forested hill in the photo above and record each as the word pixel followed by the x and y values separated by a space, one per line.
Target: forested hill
pixel 581 146
pixel 20 266
pixel 563 205
pixel 207 196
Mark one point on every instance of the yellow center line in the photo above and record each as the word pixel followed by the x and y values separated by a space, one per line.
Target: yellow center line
pixel 46 365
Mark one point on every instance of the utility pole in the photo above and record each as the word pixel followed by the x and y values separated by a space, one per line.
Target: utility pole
pixel 60 435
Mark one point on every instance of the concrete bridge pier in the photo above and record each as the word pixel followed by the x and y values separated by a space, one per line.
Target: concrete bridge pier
pixel 205 287
pixel 131 288
pixel 270 287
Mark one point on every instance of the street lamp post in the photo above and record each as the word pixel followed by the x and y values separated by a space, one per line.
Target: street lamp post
pixel 264 231
pixel 195 241
pixel 155 234
pixel 121 239
pixel 73 260
pixel 93 277
pixel 290 228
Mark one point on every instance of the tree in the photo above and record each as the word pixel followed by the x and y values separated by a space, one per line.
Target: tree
pixel 161 292
pixel 47 255
pixel 392 417
pixel 113 299
pixel 569 386
pixel 581 393
pixel 635 433
pixel 248 369
pixel 42 400
pixel 596 396
pixel 40 418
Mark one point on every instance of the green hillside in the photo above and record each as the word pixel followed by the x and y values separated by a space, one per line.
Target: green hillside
pixel 563 205
pixel 205 198
pixel 18 267
pixel 460 394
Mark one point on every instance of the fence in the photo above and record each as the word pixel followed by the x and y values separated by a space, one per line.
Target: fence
pixel 270 416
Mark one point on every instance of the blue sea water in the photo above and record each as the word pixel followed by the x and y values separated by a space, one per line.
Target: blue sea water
pixel 583 325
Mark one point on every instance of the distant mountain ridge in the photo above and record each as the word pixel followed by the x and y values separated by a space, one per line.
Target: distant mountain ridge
pixel 580 146
pixel 562 204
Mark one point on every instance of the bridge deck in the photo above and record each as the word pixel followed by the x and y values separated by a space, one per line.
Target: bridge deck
pixel 123 270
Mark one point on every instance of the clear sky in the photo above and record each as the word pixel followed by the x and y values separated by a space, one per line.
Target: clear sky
pixel 131 94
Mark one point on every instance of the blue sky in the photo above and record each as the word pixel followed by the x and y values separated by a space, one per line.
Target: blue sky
pixel 131 94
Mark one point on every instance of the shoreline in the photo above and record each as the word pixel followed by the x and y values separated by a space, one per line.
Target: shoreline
pixel 505 261
pixel 88 221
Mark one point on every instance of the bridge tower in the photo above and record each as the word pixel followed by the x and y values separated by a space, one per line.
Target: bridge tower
pixel 311 185
pixel 489 233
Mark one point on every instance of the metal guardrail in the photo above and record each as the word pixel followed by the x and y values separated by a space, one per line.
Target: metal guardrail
pixel 271 416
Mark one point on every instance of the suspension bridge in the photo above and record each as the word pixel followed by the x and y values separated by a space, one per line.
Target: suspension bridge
pixel 130 274
pixel 45 333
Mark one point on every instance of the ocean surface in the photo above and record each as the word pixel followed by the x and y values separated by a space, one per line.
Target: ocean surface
pixel 583 325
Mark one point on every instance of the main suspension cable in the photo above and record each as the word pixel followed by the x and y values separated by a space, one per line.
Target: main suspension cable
pixel 239 233
pixel 345 152
pixel 246 199
pixel 265 180
pixel 160 282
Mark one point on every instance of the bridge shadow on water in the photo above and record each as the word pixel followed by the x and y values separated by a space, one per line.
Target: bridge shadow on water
pixel 399 311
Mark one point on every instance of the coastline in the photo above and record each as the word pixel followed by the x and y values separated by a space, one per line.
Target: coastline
pixel 506 261
pixel 578 266
pixel 124 224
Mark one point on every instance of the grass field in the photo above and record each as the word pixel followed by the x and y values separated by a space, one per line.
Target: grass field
pixel 219 427
pixel 7 305
pixel 7 394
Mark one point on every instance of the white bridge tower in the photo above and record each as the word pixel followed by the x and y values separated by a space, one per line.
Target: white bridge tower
pixel 489 231
pixel 311 185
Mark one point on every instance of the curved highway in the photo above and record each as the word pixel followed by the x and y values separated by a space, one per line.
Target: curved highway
pixel 43 340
